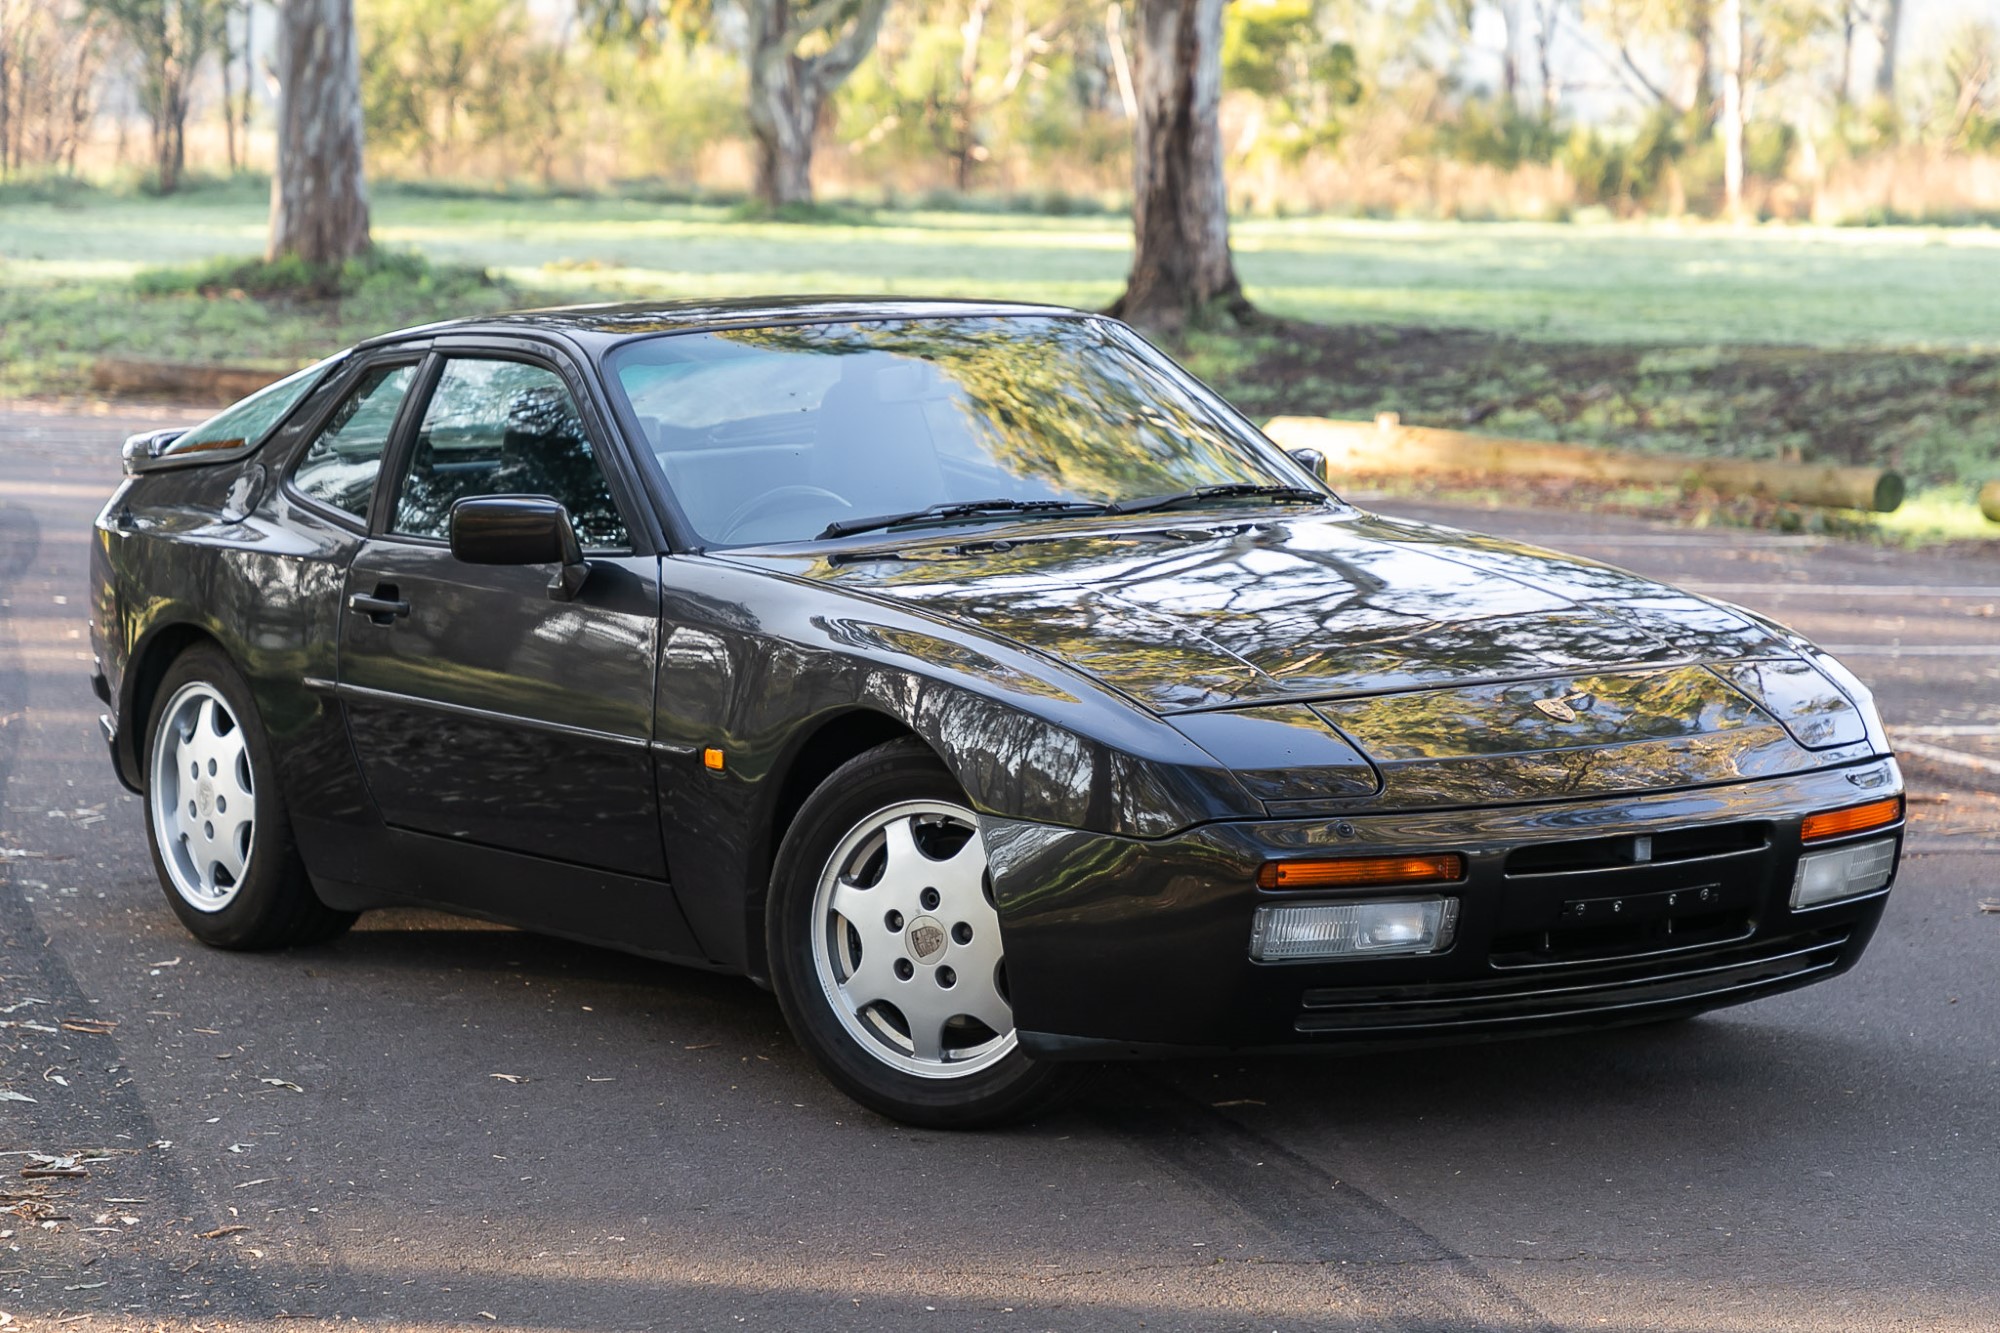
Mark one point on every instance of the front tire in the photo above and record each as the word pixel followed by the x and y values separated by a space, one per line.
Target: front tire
pixel 886 952
pixel 222 842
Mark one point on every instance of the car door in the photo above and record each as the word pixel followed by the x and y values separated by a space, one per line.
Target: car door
pixel 482 710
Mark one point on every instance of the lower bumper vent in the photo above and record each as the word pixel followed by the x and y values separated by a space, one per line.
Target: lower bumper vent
pixel 1581 995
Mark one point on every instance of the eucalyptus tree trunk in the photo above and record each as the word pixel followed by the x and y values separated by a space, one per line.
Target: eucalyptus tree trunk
pixel 1548 16
pixel 228 94
pixel 1729 22
pixel 170 139
pixel 1182 272
pixel 1701 36
pixel 319 201
pixel 1889 25
pixel 6 93
pixel 1850 19
pixel 788 91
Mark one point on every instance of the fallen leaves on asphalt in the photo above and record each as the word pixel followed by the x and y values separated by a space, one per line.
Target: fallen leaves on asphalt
pixel 54 1164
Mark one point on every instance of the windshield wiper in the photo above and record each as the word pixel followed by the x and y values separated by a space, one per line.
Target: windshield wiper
pixel 1227 490
pixel 847 527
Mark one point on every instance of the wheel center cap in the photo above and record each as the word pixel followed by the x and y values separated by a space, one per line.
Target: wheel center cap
pixel 204 795
pixel 925 939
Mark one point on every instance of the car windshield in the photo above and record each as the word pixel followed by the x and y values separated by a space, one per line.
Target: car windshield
pixel 793 432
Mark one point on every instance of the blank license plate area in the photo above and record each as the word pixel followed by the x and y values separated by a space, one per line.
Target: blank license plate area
pixel 1700 899
pixel 1583 918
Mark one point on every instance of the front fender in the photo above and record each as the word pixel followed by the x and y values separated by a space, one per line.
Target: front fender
pixel 756 666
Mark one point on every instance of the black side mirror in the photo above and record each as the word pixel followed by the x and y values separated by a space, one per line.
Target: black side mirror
pixel 1312 460
pixel 520 530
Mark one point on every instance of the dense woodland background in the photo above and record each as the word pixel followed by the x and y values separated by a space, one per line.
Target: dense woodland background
pixel 1383 108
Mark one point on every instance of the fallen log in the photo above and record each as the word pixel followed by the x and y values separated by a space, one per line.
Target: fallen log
pixel 178 380
pixel 1387 447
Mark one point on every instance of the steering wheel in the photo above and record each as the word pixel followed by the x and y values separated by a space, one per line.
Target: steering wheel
pixel 779 499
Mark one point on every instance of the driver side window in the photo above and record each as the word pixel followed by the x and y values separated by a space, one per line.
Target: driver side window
pixel 497 427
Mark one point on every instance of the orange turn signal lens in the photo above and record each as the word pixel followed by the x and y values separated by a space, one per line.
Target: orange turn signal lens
pixel 711 759
pixel 1357 871
pixel 1854 819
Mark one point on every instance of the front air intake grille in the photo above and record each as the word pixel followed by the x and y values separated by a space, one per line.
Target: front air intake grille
pixel 1667 848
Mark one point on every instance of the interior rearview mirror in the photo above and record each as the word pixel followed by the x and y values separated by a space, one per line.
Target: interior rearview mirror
pixel 520 530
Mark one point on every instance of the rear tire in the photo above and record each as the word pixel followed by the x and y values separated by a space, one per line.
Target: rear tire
pixel 886 952
pixel 216 820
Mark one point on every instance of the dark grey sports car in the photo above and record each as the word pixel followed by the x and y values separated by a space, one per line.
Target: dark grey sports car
pixel 970 675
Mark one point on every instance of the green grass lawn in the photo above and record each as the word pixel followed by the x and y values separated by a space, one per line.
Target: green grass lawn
pixel 1877 345
pixel 1615 283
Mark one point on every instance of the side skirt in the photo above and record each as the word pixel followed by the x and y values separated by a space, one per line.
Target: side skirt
pixel 591 906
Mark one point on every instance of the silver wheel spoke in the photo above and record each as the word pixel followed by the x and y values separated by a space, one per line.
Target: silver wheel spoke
pixel 875 979
pixel 926 1035
pixel 185 820
pixel 856 903
pixel 976 996
pixel 229 853
pixel 903 867
pixel 961 877
pixel 228 780
pixel 981 955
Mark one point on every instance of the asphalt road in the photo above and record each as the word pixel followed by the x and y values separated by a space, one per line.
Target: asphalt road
pixel 326 1136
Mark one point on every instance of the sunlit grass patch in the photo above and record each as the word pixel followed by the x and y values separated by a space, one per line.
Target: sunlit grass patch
pixel 1938 513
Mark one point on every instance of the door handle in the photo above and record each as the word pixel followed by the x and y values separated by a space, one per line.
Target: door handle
pixel 383 607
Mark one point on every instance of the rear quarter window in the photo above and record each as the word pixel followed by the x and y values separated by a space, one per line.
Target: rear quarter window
pixel 244 424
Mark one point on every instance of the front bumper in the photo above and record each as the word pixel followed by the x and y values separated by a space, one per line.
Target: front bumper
pixel 1124 947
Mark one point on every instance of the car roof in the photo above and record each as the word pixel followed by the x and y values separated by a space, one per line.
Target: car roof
pixel 616 320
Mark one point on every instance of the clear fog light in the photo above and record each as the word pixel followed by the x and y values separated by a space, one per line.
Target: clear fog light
pixel 1354 930
pixel 1843 872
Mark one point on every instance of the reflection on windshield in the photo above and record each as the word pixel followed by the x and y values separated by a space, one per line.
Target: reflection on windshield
pixel 773 434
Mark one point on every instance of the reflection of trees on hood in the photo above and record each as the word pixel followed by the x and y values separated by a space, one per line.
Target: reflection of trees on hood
pixel 1055 399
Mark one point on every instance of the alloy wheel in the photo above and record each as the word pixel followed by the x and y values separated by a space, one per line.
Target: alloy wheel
pixel 203 797
pixel 906 942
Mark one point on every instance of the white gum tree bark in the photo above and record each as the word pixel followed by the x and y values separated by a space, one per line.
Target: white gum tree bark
pixel 789 90
pixel 319 200
pixel 1182 271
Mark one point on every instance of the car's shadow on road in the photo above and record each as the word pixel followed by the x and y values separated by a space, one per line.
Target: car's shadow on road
pixel 1410 1173
pixel 1718 1075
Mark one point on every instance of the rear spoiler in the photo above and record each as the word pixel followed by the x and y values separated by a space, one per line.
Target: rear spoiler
pixel 153 450
pixel 142 452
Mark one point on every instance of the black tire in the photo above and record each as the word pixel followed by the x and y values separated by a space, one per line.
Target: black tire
pixel 272 904
pixel 1004 1084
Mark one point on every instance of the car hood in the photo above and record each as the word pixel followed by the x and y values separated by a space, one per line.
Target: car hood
pixel 1323 607
pixel 1347 658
